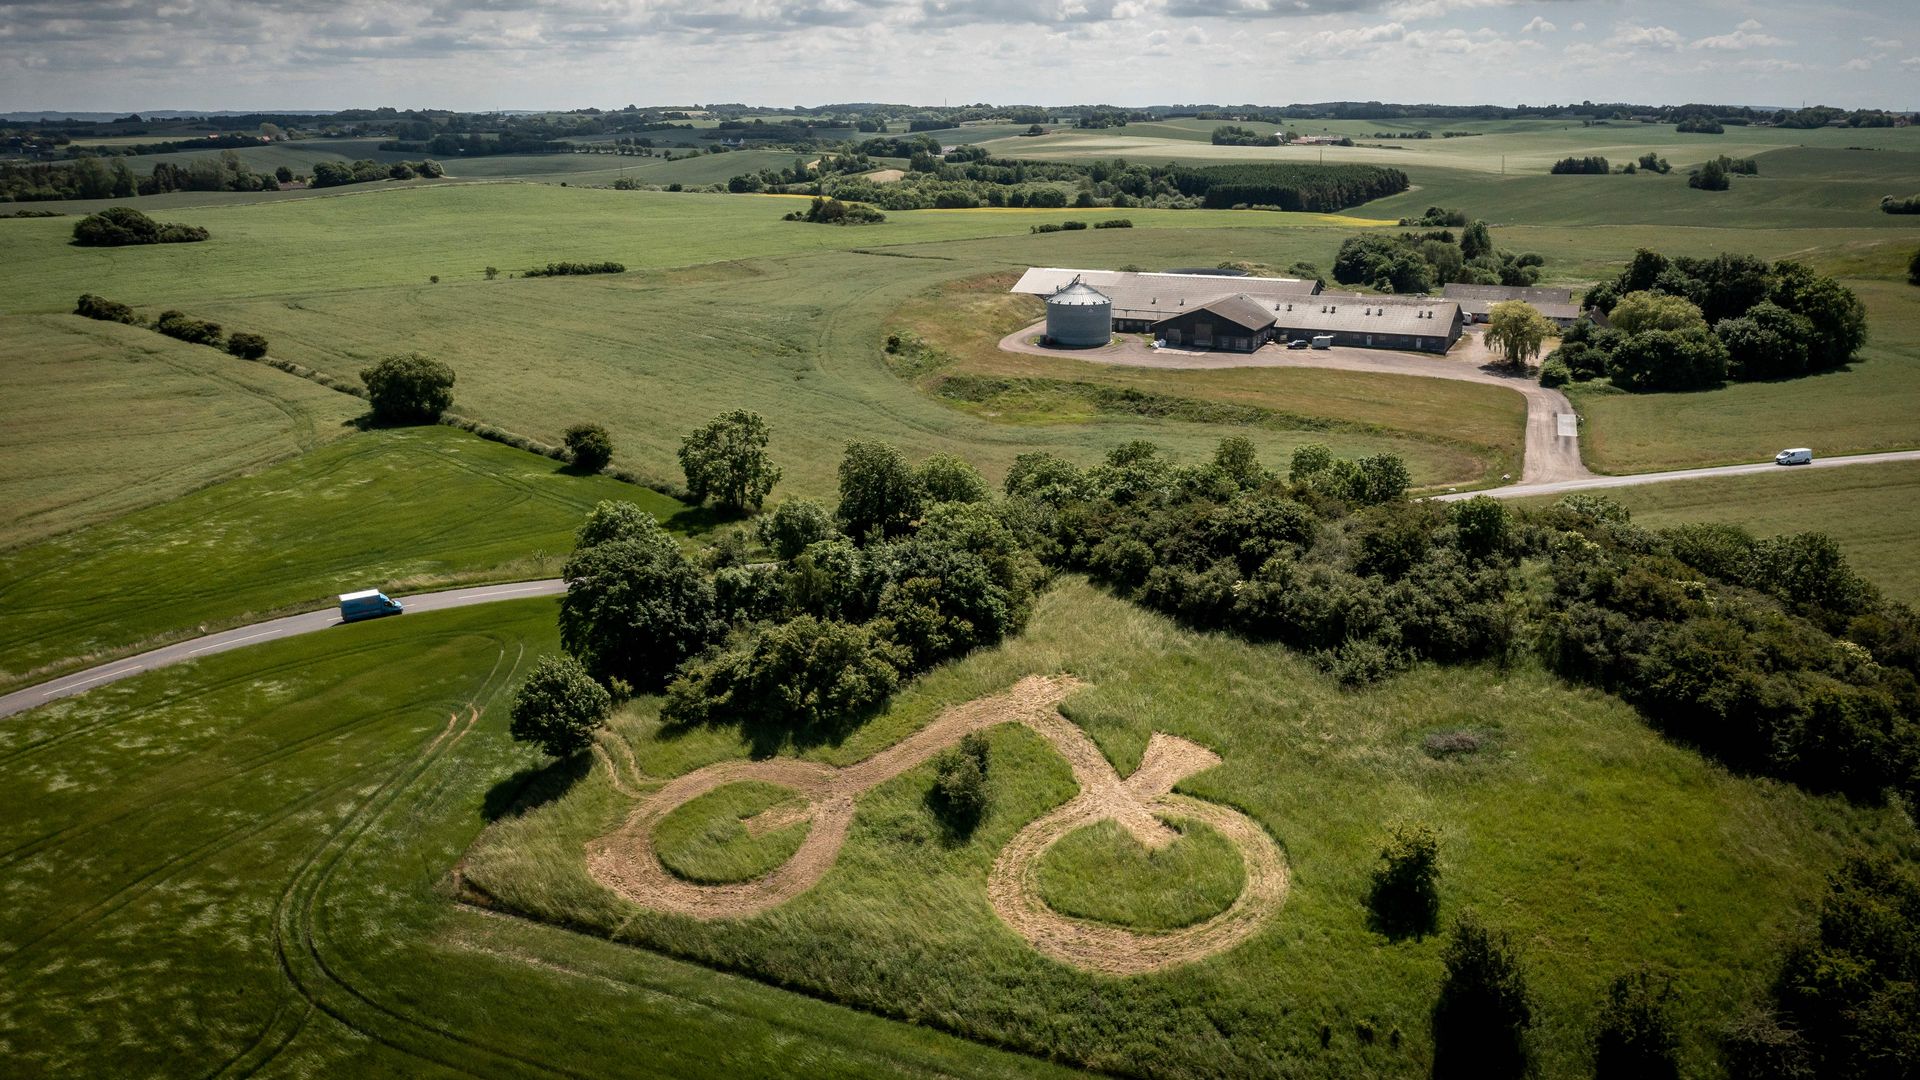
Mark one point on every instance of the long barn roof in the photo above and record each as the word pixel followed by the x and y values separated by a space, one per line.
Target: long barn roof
pixel 1360 314
pixel 1153 297
pixel 1554 303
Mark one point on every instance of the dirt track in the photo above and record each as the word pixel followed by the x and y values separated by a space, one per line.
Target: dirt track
pixel 1550 457
pixel 625 860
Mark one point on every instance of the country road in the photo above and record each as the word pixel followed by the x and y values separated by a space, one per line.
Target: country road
pixel 1592 483
pixel 272 630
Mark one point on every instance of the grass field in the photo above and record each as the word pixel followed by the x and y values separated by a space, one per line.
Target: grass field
pixel 245 866
pixel 1872 510
pixel 402 509
pixel 1102 873
pixel 97 419
pixel 1595 843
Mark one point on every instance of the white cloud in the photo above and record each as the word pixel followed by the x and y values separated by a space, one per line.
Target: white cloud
pixel 1858 63
pixel 1656 38
pixel 1738 41
pixel 1538 25
pixel 1750 24
pixel 1579 26
pixel 1911 62
pixel 1882 43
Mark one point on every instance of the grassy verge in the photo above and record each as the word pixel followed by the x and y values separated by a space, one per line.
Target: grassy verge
pixel 1595 843
pixel 402 510
pixel 271 831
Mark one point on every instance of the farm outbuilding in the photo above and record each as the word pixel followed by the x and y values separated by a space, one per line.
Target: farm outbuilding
pixel 1476 301
pixel 1142 299
pixel 1079 316
pixel 1373 322
pixel 1238 323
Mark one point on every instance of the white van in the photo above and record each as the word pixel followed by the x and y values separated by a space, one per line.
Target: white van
pixel 1798 456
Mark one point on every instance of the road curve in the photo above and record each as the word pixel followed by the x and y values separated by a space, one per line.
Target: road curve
pixel 1591 483
pixel 271 630
pixel 1552 454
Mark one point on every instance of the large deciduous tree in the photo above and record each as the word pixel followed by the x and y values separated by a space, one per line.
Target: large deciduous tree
pixel 635 609
pixel 559 707
pixel 409 388
pixel 878 493
pixel 726 461
pixel 1516 330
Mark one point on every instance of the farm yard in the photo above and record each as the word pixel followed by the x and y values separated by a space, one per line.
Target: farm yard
pixel 1124 811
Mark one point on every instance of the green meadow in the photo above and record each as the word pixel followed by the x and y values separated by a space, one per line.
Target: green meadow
pixel 402 510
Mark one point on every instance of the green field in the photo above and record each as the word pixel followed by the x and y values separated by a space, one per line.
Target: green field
pixel 97 419
pixel 400 510
pixel 1872 510
pixel 1598 845
pixel 245 866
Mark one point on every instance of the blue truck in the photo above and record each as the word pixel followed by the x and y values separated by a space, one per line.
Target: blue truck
pixel 367 604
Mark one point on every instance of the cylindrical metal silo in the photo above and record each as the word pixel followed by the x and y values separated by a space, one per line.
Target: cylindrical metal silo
pixel 1079 315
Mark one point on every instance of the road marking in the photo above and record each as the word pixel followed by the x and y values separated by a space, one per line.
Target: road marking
pixel 97 678
pixel 1569 425
pixel 231 641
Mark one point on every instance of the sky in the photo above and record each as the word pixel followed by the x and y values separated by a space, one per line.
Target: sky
pixel 129 55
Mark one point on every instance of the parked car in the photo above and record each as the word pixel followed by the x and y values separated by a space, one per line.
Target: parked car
pixel 1299 343
pixel 1797 456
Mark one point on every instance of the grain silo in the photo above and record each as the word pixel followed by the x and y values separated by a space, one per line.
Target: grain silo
pixel 1078 316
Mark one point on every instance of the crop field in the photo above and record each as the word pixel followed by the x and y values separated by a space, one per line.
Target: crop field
pixel 1872 510
pixel 275 832
pixel 179 416
pixel 1634 850
pixel 401 510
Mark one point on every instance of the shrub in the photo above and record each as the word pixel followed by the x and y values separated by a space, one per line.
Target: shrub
pixel 1669 360
pixel 564 269
pixel 491 272
pixel 1405 897
pixel 559 707
pixel 121 226
pixel 1634 1037
pixel 1849 988
pixel 795 525
pixel 1711 176
pixel 177 324
pixel 829 211
pixel 1576 165
pixel 1555 372
pixel 1483 526
pixel 1114 223
pixel 960 788
pixel 1481 1019
pixel 945 478
pixel 1913 269
pixel 727 461
pixel 589 447
pixel 409 388
pixel 99 307
pixel 1893 204
pixel 247 346
pixel 805 675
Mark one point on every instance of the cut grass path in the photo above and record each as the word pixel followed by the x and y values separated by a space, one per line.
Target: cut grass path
pixel 269 835
pixel 401 510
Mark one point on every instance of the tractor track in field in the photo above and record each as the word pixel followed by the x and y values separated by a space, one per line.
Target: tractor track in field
pixel 627 862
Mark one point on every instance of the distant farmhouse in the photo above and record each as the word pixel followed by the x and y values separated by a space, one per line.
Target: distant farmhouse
pixel 1477 300
pixel 1240 314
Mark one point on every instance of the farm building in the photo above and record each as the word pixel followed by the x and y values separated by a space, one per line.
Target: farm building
pixel 1419 323
pixel 1476 301
pixel 1139 299
pixel 1237 322
pixel 1079 316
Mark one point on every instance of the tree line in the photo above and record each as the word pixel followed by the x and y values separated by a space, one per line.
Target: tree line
pixel 1423 262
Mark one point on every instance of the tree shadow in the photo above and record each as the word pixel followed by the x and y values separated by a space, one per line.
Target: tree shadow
pixel 534 786
pixel 701 518
pixel 1399 917
pixel 767 736
pixel 957 825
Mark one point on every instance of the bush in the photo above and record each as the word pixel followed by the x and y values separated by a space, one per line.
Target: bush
pixel 794 526
pixel 944 478
pixel 559 707
pixel 828 211
pixel 1555 372
pixel 589 447
pixel 408 388
pixel 727 461
pixel 1482 525
pixel 564 269
pixel 1669 360
pixel 1481 1019
pixel 247 346
pixel 177 324
pixel 1578 165
pixel 99 307
pixel 1114 223
pixel 1849 989
pixel 806 675
pixel 609 521
pixel 1634 1037
pixel 878 494
pixel 1711 176
pixel 635 609
pixel 1892 204
pixel 1405 898
pixel 960 788
pixel 121 226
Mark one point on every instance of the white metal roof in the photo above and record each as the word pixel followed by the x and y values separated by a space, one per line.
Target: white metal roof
pixel 363 594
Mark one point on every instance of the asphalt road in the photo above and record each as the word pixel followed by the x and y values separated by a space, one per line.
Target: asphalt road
pixel 272 630
pixel 1562 487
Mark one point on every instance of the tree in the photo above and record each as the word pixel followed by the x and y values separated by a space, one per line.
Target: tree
pixel 793 526
pixel 960 790
pixel 1768 342
pixel 877 491
pixel 635 609
pixel 611 520
pixel 120 226
pixel 1240 462
pixel 1711 176
pixel 409 388
pixel 1382 478
pixel 1481 1019
pixel 1483 526
pixel 1641 311
pixel 1634 1038
pixel 1516 330
pixel 1475 241
pixel 589 446
pixel 247 346
pixel 803 675
pixel 727 461
pixel 283 174
pixel 1669 360
pixel 1405 898
pixel 944 478
pixel 1839 318
pixel 559 707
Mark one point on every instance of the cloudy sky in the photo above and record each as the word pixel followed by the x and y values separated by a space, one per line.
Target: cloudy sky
pixel 485 54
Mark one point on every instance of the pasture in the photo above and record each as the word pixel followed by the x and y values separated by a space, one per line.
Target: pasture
pixel 98 419
pixel 1594 842
pixel 401 510
pixel 246 865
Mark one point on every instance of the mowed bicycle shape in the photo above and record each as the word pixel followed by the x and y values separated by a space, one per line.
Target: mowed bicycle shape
pixel 625 860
